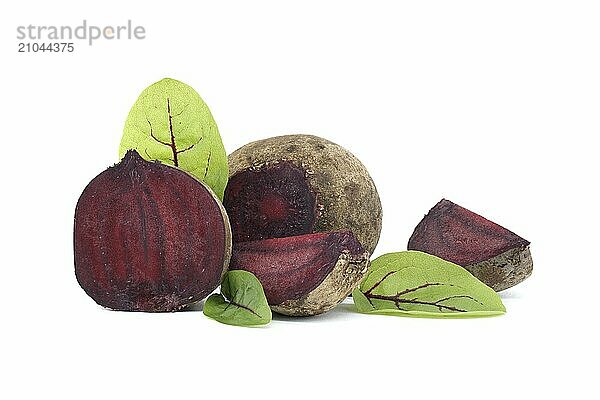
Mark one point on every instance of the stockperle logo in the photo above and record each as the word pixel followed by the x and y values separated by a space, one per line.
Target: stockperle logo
pixel 67 35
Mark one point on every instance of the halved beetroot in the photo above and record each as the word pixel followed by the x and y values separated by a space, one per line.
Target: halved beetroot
pixel 149 237
pixel 304 275
pixel 493 254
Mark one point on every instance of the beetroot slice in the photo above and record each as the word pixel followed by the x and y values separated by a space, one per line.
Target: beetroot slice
pixel 495 255
pixel 149 237
pixel 290 268
pixel 270 202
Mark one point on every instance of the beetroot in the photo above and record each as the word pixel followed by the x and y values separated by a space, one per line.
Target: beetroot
pixel 149 237
pixel 304 275
pixel 275 201
pixel 298 184
pixel 493 254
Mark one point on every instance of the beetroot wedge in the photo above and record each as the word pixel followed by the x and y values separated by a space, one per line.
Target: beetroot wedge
pixel 493 254
pixel 304 275
pixel 149 237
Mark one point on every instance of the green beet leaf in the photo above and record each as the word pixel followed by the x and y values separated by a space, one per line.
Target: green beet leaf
pixel 242 301
pixel 170 123
pixel 417 284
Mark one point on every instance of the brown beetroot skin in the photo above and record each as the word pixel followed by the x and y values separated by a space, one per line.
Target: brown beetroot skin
pixel 493 254
pixel 149 237
pixel 304 275
pixel 299 184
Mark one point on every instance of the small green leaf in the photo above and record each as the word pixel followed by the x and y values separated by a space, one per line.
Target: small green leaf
pixel 244 303
pixel 417 284
pixel 169 122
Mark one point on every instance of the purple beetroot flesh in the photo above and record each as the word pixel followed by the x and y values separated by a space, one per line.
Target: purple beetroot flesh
pixel 307 274
pixel 493 254
pixel 273 202
pixel 149 237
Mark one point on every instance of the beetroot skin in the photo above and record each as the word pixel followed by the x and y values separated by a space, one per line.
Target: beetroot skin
pixel 149 237
pixel 493 254
pixel 304 275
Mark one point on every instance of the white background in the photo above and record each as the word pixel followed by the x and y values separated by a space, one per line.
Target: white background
pixel 493 105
